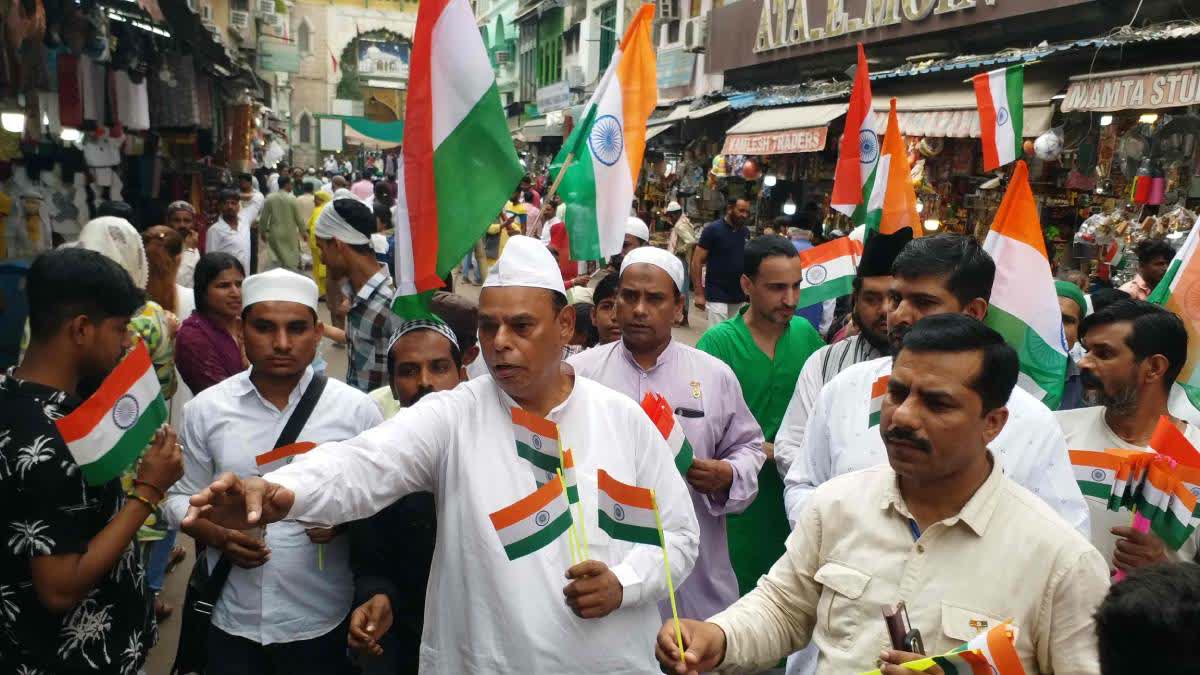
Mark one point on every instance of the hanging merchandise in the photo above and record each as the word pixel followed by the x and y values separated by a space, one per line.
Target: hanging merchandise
pixel 1048 147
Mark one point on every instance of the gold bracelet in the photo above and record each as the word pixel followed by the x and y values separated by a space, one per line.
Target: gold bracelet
pixel 133 495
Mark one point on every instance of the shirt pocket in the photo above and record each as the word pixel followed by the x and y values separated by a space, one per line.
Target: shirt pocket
pixel 961 624
pixel 839 610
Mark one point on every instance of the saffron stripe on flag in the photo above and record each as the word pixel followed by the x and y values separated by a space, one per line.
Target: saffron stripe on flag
pixel 129 448
pixel 538 425
pixel 526 506
pixel 83 419
pixel 284 451
pixel 625 494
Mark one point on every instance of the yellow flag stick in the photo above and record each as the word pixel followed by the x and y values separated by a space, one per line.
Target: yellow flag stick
pixel 587 553
pixel 662 538
pixel 576 554
pixel 321 557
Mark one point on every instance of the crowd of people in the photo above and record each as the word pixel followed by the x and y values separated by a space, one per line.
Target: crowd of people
pixel 846 456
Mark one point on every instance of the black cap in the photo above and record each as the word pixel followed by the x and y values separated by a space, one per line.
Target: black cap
pixel 880 251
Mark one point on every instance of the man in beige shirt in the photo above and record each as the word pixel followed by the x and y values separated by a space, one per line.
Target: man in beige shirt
pixel 941 529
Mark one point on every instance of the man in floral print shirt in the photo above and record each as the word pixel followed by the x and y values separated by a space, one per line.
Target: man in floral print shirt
pixel 72 590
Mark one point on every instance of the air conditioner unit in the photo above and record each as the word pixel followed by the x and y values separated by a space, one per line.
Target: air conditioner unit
pixel 502 57
pixel 264 7
pixel 239 21
pixel 667 10
pixel 695 34
pixel 575 77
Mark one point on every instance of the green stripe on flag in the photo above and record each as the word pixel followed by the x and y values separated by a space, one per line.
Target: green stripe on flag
pixel 478 153
pixel 834 288
pixel 417 306
pixel 540 460
pixel 684 458
pixel 873 419
pixel 1097 490
pixel 1044 364
pixel 573 494
pixel 542 538
pixel 625 532
pixel 1014 84
pixel 127 450
pixel 1162 291
pixel 578 191
pixel 861 215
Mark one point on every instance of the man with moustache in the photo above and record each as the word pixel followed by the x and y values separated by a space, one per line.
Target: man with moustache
pixel 1135 351
pixel 938 526
pixel 392 551
pixel 766 345
pixel 493 614
pixel 708 403
pixel 869 314
pixel 931 275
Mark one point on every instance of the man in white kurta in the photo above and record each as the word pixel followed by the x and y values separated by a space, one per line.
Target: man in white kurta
pixel 484 612
pixel 932 275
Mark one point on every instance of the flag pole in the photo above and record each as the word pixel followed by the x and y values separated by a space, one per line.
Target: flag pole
pixel 561 172
pixel 662 538
pixel 574 543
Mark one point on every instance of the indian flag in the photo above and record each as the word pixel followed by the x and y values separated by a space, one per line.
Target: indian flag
pixel 668 425
pixel 829 270
pixel 626 512
pixel 1024 304
pixel 1168 440
pixel 284 454
pixel 878 391
pixel 858 153
pixel 537 443
pixel 1179 291
pixel 459 165
pixel 1096 472
pixel 990 653
pixel 1167 503
pixel 109 431
pixel 1000 95
pixel 569 477
pixel 533 522
pixel 893 203
pixel 603 154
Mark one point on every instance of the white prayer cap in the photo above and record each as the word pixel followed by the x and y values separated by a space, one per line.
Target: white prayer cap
pixel 525 262
pixel 660 258
pixel 673 207
pixel 343 193
pixel 637 227
pixel 332 225
pixel 279 284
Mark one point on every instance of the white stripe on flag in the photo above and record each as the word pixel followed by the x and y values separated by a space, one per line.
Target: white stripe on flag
pixel 406 275
pixel 630 515
pixel 105 435
pixel 527 527
pixel 459 67
pixel 1024 288
pixel 998 88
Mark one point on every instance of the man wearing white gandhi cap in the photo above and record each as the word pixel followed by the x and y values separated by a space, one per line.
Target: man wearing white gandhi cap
pixel 489 614
pixel 278 607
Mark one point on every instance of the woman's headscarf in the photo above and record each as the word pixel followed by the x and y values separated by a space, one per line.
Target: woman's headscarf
pixel 117 240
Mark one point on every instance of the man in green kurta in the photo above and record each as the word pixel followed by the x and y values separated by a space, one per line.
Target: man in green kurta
pixel 282 226
pixel 766 344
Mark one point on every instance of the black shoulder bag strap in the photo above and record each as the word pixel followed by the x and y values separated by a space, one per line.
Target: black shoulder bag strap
pixel 204 587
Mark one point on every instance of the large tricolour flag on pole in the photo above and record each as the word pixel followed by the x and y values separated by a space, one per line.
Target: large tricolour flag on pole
pixel 603 154
pixel 858 153
pixel 1000 95
pixel 829 270
pixel 459 165
pixel 1024 305
pixel 1179 291
pixel 893 203
pixel 109 431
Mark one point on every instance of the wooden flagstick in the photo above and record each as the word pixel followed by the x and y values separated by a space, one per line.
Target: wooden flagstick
pixel 561 172
pixel 575 552
pixel 586 552
pixel 662 538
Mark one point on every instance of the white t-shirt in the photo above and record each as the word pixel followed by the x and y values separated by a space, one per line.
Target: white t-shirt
pixel 222 237
pixel 1086 429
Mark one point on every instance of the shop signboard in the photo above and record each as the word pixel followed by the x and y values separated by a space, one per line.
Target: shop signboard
pixel 277 56
pixel 379 58
pixel 751 32
pixel 811 139
pixel 675 68
pixel 1133 90
pixel 555 96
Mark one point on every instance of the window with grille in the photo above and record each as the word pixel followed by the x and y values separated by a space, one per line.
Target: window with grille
pixel 550 47
pixel 306 128
pixel 527 47
pixel 608 34
pixel 304 38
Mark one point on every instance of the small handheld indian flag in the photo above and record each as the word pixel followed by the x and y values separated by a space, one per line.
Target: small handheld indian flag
pixel 878 391
pixel 283 455
pixel 569 478
pixel 534 522
pixel 669 426
pixel 1000 95
pixel 626 511
pixel 537 443
pixel 990 653
pixel 1096 472
pixel 829 270
pixel 109 431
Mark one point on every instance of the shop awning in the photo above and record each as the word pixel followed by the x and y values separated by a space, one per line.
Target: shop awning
pixel 385 132
pixel 708 110
pixel 657 129
pixel 1141 88
pixel 951 111
pixel 534 131
pixel 778 131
